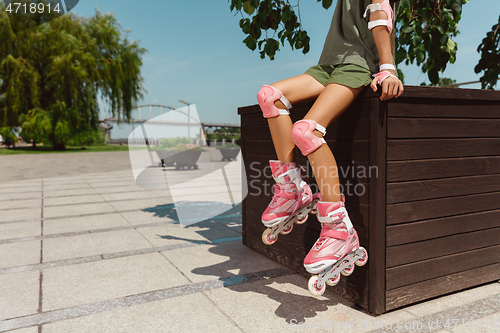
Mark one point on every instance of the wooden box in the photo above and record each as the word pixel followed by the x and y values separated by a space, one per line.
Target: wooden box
pixel 421 176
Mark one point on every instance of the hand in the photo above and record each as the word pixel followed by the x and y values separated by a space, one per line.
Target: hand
pixel 391 87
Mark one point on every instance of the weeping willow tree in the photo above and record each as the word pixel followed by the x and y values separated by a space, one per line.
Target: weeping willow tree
pixel 52 75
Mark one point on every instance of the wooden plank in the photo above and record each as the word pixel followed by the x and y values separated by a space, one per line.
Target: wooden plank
pixel 439 93
pixel 441 227
pixel 433 248
pixel 356 151
pixel 441 168
pixel 342 131
pixel 410 294
pixel 440 188
pixel 428 209
pixel 429 269
pixel 445 108
pixel 441 148
pixel 376 249
pixel 401 128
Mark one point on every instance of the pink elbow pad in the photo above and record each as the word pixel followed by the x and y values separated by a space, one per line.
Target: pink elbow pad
pixel 387 9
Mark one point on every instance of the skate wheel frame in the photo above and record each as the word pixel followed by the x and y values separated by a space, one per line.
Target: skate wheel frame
pixel 270 235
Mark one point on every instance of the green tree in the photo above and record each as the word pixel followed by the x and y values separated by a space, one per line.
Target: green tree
pixel 490 57
pixel 424 30
pixel 52 75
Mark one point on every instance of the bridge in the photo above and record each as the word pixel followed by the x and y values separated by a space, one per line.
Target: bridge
pixel 170 119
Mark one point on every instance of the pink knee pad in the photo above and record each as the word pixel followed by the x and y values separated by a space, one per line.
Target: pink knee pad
pixel 266 96
pixel 304 138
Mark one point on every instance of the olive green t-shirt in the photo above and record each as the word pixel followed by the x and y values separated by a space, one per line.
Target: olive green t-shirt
pixel 349 41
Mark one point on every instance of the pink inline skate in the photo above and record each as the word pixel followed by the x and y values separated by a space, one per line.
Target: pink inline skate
pixel 337 249
pixel 292 201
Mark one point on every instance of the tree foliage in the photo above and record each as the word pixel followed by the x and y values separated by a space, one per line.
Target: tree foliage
pixel 490 57
pixel 425 31
pixel 52 75
pixel 426 28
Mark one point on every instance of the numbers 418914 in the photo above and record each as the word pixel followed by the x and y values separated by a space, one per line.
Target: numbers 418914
pixel 32 8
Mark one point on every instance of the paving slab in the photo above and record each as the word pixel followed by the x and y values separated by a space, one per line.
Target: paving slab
pixel 211 262
pixel 21 195
pixel 118 189
pixel 73 285
pixel 20 203
pixel 19 294
pixel 487 324
pixel 33 329
pixel 131 195
pixel 63 193
pixel 70 200
pixel 79 224
pixel 76 210
pixel 20 230
pixel 189 313
pixel 20 253
pixel 139 217
pixel 138 204
pixel 171 234
pixel 285 304
pixel 20 214
pixel 92 244
pixel 62 187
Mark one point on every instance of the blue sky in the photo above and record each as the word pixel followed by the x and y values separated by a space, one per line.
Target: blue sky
pixel 195 51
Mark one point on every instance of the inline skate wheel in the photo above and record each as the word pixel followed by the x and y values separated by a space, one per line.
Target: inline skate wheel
pixel 348 270
pixel 362 261
pixel 266 237
pixel 333 281
pixel 300 221
pixel 287 231
pixel 313 288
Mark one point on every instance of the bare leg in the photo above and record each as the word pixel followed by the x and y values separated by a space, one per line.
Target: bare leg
pixel 296 89
pixel 330 104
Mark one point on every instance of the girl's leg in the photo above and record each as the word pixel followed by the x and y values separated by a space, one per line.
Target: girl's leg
pixel 330 104
pixel 337 239
pixel 296 89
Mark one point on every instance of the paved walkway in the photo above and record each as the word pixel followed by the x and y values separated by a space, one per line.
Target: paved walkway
pixel 94 252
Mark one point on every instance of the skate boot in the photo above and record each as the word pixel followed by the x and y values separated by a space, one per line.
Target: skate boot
pixel 337 249
pixel 291 203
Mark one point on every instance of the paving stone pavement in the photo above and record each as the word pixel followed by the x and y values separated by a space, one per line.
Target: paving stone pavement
pixel 94 252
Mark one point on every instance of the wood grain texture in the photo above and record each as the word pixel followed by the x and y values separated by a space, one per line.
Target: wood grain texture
pixel 402 128
pixel 398 150
pixel 442 168
pixel 441 188
pixel 429 269
pixel 428 209
pixel 443 108
pixel 413 293
pixel 441 227
pixel 433 248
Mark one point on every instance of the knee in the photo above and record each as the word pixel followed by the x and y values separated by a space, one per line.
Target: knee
pixel 304 138
pixel 266 97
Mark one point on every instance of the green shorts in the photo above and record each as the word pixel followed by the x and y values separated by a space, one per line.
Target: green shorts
pixel 349 75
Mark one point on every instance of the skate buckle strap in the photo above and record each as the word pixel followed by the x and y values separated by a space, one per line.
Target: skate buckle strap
pixel 336 215
pixel 287 176
pixel 325 232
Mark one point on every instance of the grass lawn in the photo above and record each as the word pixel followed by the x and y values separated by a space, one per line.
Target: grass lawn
pixel 48 150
